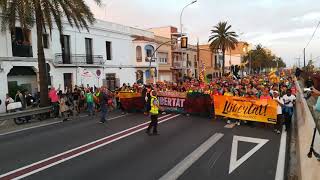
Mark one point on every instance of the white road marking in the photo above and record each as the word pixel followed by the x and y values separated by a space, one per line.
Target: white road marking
pixel 3 122
pixel 180 168
pixel 234 163
pixel 48 124
pixel 127 132
pixel 282 156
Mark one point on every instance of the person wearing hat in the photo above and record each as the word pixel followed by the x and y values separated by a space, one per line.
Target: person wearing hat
pixel 280 103
pixel 154 112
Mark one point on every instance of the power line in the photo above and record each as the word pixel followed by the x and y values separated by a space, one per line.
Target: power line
pixel 313 34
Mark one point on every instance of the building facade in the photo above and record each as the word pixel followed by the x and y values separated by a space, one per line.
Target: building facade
pixel 213 61
pixel 102 56
pixel 164 58
pixel 184 62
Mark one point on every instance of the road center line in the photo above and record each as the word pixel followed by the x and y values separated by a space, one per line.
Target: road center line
pixel 282 156
pixel 70 154
pixel 180 168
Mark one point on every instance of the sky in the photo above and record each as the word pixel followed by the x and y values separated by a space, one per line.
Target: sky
pixel 284 26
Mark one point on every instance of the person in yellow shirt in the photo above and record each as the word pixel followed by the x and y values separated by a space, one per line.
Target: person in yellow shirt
pixel 227 92
pixel 154 112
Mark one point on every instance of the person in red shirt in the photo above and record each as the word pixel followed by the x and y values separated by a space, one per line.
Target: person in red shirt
pixel 54 98
pixel 265 95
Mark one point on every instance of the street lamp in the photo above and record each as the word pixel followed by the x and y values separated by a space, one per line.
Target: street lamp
pixel 181 30
pixel 182 13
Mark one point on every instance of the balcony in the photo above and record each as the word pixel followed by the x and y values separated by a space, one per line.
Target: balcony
pixel 78 60
pixel 21 50
pixel 177 65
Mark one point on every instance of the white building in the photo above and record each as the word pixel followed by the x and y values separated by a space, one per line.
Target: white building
pixel 108 48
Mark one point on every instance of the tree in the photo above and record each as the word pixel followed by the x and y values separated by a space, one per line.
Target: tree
pixel 223 39
pixel 262 59
pixel 45 13
pixel 310 66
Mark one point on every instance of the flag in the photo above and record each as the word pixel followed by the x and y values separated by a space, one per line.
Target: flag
pixel 85 73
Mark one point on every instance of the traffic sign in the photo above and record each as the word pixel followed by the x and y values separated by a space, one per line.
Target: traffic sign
pixel 98 72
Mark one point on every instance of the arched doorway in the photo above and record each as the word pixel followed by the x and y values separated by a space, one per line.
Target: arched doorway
pixel 22 78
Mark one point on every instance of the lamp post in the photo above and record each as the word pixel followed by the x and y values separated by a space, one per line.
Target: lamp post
pixel 182 14
pixel 181 29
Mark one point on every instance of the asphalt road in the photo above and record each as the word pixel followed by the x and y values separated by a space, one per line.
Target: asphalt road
pixel 188 147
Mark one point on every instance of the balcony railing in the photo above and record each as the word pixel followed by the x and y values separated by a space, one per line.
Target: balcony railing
pixel 78 59
pixel 21 50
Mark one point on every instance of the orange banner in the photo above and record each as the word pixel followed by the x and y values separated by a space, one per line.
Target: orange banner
pixel 124 95
pixel 246 109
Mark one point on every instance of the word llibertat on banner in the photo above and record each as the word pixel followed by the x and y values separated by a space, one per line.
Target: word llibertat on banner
pixel 172 101
pixel 246 109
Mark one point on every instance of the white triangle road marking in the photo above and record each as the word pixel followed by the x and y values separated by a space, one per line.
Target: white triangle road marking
pixel 234 163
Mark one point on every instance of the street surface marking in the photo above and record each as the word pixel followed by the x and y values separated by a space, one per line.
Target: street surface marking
pixel 70 154
pixel 4 122
pixel 282 156
pixel 180 168
pixel 230 126
pixel 48 124
pixel 234 163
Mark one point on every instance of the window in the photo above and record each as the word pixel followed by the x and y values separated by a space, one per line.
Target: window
pixel 89 55
pixel 149 51
pixel 108 50
pixel 216 61
pixel 139 54
pixel 66 52
pixel 45 40
pixel 163 57
pixel 67 79
pixel 111 81
pixel 21 42
pixel 195 57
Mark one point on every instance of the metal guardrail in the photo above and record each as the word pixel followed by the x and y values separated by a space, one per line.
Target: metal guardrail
pixel 28 112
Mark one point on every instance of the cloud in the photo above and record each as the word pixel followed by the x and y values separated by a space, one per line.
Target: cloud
pixel 284 25
pixel 311 16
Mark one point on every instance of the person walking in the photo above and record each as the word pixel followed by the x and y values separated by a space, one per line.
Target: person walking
pixel 280 103
pixel 89 100
pixel 289 101
pixel 154 112
pixel 54 98
pixel 147 98
pixel 76 98
pixel 103 98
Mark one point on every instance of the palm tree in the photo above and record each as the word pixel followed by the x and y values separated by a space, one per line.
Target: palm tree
pixel 45 13
pixel 223 39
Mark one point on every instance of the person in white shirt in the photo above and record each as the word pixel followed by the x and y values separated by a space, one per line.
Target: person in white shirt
pixel 289 102
pixel 280 103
